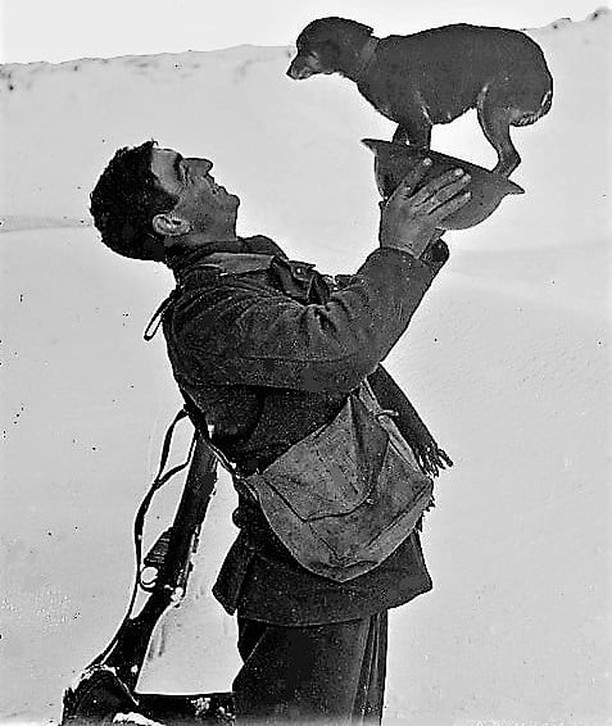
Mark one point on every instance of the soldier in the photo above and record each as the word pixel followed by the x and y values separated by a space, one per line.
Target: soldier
pixel 267 351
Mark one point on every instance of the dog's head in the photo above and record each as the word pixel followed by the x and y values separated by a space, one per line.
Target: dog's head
pixel 328 45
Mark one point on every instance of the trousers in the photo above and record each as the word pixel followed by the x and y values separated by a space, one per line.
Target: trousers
pixel 323 674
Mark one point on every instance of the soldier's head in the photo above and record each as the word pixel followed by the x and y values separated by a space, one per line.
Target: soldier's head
pixel 149 200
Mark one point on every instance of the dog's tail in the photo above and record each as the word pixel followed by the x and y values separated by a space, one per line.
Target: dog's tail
pixel 531 117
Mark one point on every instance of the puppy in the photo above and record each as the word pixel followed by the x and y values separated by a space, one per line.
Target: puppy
pixel 434 76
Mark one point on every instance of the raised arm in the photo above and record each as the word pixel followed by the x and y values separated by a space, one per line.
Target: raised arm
pixel 241 332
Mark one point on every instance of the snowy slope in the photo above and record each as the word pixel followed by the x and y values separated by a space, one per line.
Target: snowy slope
pixel 508 360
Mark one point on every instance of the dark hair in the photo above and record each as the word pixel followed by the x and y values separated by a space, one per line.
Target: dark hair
pixel 124 201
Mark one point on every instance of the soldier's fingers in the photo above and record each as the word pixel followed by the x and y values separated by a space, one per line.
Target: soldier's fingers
pixel 452 205
pixel 442 195
pixel 455 178
pixel 413 177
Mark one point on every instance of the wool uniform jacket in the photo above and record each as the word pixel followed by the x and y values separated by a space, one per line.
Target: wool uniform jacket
pixel 269 350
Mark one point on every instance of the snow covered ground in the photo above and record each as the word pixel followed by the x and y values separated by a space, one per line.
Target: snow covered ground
pixel 508 360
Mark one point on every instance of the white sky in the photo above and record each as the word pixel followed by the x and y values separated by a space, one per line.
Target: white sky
pixel 57 30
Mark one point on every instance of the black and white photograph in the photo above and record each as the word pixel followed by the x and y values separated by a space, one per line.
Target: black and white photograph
pixel 305 363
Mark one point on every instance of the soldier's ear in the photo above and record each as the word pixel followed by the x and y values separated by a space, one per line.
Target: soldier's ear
pixel 170 224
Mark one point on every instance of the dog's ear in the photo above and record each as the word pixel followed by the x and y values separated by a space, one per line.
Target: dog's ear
pixel 336 43
pixel 322 29
pixel 359 28
pixel 346 27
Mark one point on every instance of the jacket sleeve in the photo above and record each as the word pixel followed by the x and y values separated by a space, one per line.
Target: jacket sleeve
pixel 239 333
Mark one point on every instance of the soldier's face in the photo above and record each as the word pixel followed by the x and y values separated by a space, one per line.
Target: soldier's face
pixel 200 198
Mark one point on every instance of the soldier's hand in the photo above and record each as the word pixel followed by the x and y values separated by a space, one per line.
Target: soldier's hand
pixel 409 219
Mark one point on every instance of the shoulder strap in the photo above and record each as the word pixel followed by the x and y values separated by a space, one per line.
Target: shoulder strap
pixel 198 419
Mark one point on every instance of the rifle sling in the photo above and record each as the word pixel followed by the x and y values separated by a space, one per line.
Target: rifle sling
pixel 127 649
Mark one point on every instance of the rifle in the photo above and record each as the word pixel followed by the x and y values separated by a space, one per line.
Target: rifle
pixel 106 688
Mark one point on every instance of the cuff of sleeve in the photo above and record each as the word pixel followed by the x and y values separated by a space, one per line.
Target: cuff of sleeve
pixel 436 253
pixel 433 257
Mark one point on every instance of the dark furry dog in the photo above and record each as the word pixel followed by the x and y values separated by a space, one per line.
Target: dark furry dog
pixel 435 76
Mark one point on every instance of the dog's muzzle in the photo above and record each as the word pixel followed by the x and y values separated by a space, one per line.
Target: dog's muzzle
pixel 300 69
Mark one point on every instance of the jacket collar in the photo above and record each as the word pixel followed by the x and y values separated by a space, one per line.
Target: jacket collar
pixel 182 262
